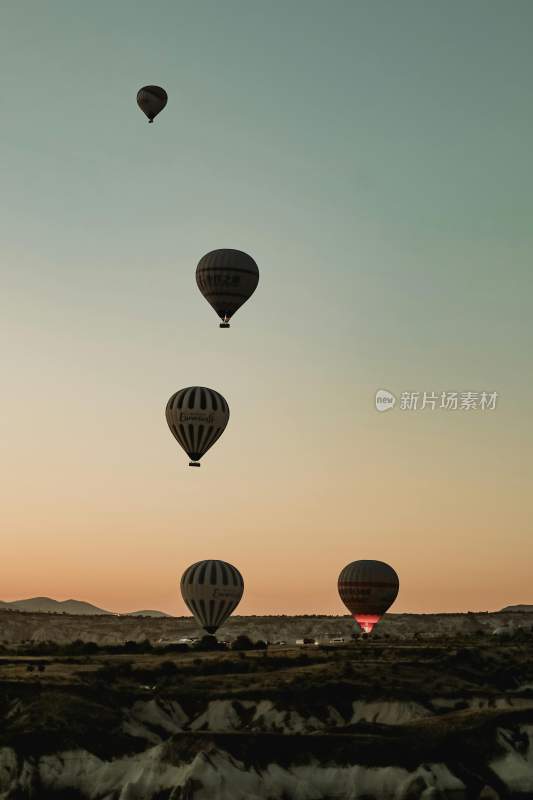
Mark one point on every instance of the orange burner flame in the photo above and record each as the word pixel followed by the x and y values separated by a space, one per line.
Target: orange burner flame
pixel 367 621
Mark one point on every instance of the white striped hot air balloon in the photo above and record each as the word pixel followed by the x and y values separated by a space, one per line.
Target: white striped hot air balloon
pixel 368 589
pixel 211 590
pixel 151 100
pixel 197 417
pixel 227 279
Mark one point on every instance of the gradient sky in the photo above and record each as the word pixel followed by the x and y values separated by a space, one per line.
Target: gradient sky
pixel 375 159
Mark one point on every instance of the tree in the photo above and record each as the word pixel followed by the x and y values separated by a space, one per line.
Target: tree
pixel 242 643
pixel 208 644
pixel 245 643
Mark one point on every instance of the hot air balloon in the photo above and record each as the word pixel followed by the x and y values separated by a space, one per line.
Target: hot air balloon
pixel 227 279
pixel 368 589
pixel 151 100
pixel 197 417
pixel 211 590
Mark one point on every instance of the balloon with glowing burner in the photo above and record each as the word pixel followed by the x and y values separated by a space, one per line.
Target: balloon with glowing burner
pixel 368 589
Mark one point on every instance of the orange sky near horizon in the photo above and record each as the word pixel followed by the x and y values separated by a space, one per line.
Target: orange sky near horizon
pixel 106 531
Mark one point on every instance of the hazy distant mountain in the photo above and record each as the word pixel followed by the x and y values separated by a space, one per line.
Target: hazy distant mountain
pixel 148 613
pixel 523 607
pixel 47 605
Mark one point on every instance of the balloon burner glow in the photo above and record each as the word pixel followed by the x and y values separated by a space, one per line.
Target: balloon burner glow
pixel 366 621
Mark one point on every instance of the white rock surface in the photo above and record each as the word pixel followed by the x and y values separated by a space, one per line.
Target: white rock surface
pixel 220 715
pixel 148 720
pixel 391 712
pixel 218 775
pixel 515 768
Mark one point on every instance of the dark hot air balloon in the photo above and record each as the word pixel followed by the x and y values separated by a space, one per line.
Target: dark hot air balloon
pixel 368 589
pixel 211 590
pixel 197 417
pixel 227 279
pixel 151 100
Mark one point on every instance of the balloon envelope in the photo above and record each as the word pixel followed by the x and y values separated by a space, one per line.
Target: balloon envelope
pixel 227 279
pixel 197 417
pixel 368 589
pixel 211 590
pixel 151 100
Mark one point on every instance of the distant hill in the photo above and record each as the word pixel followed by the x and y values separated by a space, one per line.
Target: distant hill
pixel 148 613
pixel 50 606
pixel 524 607
pixel 47 605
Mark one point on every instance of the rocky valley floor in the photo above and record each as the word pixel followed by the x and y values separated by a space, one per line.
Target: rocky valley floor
pixel 376 719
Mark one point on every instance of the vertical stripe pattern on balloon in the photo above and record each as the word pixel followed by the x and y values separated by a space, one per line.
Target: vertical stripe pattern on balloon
pixel 197 417
pixel 211 590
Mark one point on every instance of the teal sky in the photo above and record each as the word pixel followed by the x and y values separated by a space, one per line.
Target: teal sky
pixel 375 159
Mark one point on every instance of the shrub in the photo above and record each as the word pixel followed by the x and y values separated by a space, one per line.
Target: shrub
pixel 137 647
pixel 179 647
pixel 208 644
pixel 245 643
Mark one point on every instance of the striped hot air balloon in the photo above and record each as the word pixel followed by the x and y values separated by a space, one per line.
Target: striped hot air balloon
pixel 197 417
pixel 212 590
pixel 151 100
pixel 227 279
pixel 368 589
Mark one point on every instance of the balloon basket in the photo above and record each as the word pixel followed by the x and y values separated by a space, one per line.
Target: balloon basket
pixel 194 463
pixel 224 325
